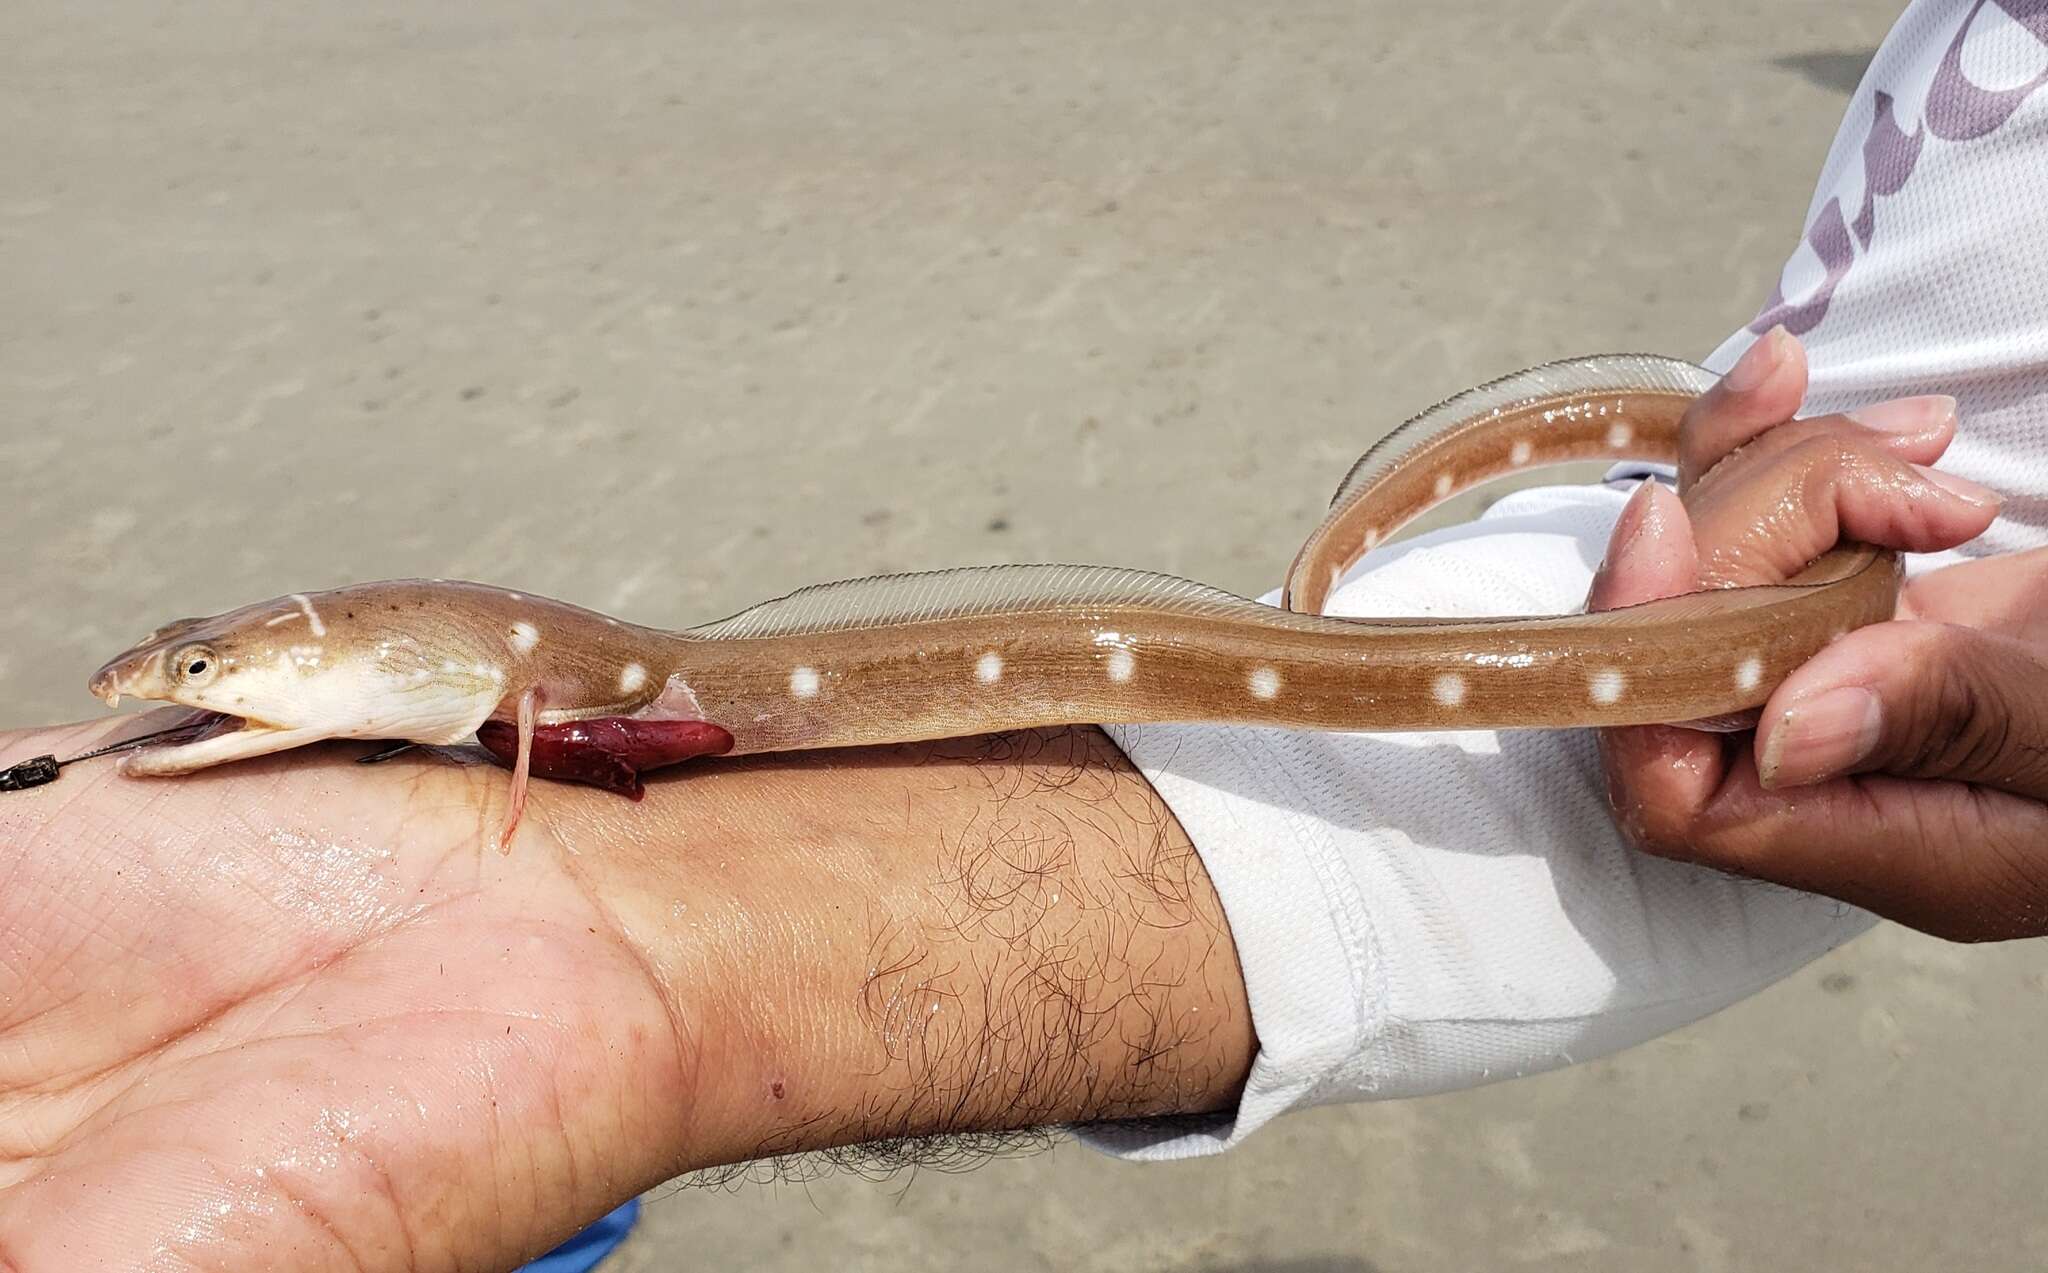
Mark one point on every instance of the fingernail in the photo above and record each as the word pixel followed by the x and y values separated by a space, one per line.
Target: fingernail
pixel 1636 514
pixel 1961 487
pixel 1820 737
pixel 1907 415
pixel 1757 362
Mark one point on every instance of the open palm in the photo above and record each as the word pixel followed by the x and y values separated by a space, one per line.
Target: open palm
pixel 295 1017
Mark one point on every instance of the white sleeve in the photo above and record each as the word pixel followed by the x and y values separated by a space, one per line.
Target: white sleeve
pixel 1421 912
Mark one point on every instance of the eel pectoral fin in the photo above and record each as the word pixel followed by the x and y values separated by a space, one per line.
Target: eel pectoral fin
pixel 522 767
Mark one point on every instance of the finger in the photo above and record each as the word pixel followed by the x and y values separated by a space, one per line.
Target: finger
pixel 1762 390
pixel 1917 430
pixel 1914 700
pixel 1761 523
pixel 1962 862
pixel 1653 771
pixel 2006 594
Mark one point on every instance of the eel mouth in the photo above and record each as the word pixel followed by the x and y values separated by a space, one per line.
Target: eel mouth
pixel 199 725
pixel 205 739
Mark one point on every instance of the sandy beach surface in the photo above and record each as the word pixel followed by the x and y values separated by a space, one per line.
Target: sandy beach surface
pixel 669 309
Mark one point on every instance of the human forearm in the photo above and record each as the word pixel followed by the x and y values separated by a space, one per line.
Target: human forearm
pixel 990 933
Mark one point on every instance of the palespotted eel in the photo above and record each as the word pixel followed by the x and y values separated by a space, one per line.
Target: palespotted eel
pixel 561 692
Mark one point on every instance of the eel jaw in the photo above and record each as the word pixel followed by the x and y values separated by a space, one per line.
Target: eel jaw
pixel 252 739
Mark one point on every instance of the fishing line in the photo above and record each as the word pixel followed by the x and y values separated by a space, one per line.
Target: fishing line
pixel 37 770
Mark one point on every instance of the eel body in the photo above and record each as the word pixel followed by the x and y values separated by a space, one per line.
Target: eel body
pixel 980 649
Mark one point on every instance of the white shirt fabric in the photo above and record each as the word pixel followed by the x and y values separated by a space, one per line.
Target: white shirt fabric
pixel 1416 913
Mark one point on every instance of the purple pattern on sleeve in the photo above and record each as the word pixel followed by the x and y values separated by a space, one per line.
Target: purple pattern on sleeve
pixel 1829 239
pixel 1956 110
pixel 1889 154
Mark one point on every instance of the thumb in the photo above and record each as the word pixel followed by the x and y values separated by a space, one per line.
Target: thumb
pixel 1650 554
pixel 1915 700
pixel 1658 776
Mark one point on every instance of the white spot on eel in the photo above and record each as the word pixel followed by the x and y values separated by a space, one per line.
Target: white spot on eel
pixel 1620 435
pixel 1449 689
pixel 1122 663
pixel 988 669
pixel 1443 485
pixel 1521 453
pixel 631 678
pixel 1265 683
pixel 1607 686
pixel 1372 536
pixel 803 682
pixel 312 615
pixel 525 637
pixel 1749 674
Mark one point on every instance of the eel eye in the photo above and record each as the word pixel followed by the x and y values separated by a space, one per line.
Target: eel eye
pixel 194 665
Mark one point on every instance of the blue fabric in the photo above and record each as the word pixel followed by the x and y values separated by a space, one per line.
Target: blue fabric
pixel 587 1249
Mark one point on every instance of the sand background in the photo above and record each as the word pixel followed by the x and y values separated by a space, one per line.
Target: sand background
pixel 668 309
